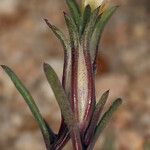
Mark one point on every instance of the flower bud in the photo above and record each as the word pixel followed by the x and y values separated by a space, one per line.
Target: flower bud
pixel 82 88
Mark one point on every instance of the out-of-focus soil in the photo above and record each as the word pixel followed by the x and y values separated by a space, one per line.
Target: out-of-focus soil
pixel 123 67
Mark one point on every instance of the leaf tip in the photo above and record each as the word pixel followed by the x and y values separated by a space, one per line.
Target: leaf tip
pixel 47 22
pixel 45 65
pixel 117 6
pixel 64 13
pixel 3 66
pixel 118 101
pixel 107 92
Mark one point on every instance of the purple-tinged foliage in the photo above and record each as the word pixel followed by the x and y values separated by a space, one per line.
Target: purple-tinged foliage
pixel 81 116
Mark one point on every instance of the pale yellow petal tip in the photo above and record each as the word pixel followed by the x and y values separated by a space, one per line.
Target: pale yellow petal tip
pixel 95 4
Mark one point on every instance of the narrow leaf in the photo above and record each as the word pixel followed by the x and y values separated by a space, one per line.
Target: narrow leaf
pixel 73 31
pixel 59 35
pixel 99 27
pixel 95 117
pixel 85 18
pixel 104 120
pixel 74 10
pixel 67 51
pixel 90 25
pixel 63 103
pixel 89 30
pixel 59 94
pixel 47 132
pixel 147 144
pixel 109 141
pixel 101 103
pixel 106 117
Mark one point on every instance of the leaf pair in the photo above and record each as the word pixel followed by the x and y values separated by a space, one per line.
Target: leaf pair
pixel 61 98
pixel 97 125
pixel 91 27
pixel 104 121
pixel 64 104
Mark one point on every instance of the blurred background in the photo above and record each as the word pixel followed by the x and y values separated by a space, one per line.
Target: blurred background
pixel 123 67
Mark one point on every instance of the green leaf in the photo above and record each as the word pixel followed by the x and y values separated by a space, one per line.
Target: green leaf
pixel 59 35
pixel 67 52
pixel 109 141
pixel 147 144
pixel 63 103
pixel 60 95
pixel 99 107
pixel 90 28
pixel 74 10
pixel 102 101
pixel 95 117
pixel 99 27
pixel 105 119
pixel 85 18
pixel 73 31
pixel 47 132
